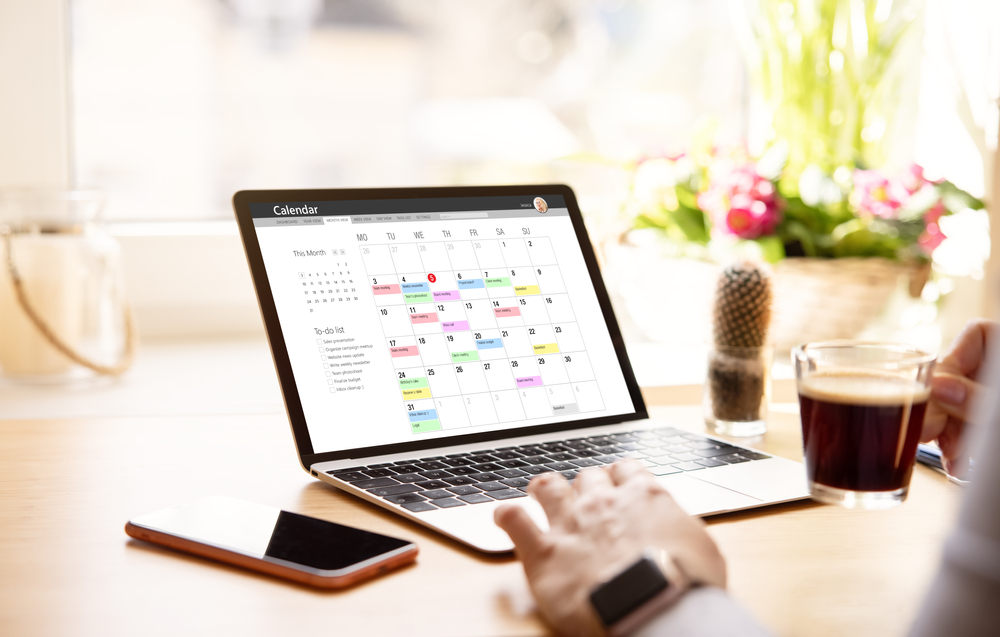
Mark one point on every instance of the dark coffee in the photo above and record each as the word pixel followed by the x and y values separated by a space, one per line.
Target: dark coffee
pixel 860 431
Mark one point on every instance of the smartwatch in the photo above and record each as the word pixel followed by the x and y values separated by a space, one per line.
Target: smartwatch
pixel 638 593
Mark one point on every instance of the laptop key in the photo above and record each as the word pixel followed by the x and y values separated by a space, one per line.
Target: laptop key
pixel 378 473
pixel 712 452
pixel 511 473
pixel 569 475
pixel 475 498
pixel 484 477
pixel 600 441
pixel 515 482
pixel 536 469
pixel 433 484
pixel 447 503
pixel 644 435
pixel 585 453
pixel 752 455
pixel 540 459
pixel 462 471
pixel 686 457
pixel 394 490
pixel 666 431
pixel 688 466
pixel 480 458
pixel 460 480
pixel 561 457
pixel 577 444
pixel 487 466
pixel 379 466
pixel 430 458
pixel 607 450
pixel 554 447
pixel 409 477
pixel 560 466
pixel 664 470
pixel 609 459
pixel 430 466
pixel 371 483
pixel 434 494
pixel 505 455
pixel 623 437
pixel 701 444
pixel 435 475
pixel 348 476
pixel 710 462
pixel 733 458
pixel 405 498
pixel 507 494
pixel 457 455
pixel 585 462
pixel 406 468
pixel 630 446
pixel 457 462
pixel 512 464
pixel 491 486
pixel 420 507
pixel 464 490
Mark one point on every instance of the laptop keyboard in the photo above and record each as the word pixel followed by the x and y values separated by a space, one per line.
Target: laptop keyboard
pixel 462 479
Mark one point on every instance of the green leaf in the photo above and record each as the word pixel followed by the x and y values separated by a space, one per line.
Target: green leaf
pixel 772 248
pixel 692 223
pixel 955 199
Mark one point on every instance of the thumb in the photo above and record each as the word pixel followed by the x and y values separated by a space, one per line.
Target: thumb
pixel 954 394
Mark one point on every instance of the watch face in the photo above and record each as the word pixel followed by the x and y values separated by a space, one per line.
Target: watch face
pixel 629 590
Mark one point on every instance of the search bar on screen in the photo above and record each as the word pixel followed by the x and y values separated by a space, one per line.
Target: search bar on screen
pixel 464 215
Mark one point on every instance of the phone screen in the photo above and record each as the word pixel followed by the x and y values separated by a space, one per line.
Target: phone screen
pixel 270 534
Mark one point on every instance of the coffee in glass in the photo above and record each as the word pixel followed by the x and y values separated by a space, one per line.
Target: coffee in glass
pixel 862 408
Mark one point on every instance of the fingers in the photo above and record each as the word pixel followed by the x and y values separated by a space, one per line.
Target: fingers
pixel 954 394
pixel 592 479
pixel 969 348
pixel 526 536
pixel 554 494
pixel 624 470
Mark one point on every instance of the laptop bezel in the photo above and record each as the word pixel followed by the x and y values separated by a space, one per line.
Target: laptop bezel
pixel 279 351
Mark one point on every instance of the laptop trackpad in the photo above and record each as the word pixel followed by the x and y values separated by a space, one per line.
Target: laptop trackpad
pixel 698 497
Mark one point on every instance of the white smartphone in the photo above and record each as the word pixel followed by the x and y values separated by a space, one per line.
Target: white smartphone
pixel 263 538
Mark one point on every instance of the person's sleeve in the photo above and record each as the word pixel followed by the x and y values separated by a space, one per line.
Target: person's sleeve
pixel 964 599
pixel 704 612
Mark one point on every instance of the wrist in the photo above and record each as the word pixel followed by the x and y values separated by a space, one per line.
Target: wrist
pixel 638 593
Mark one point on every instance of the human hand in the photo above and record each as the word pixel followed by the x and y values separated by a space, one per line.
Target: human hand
pixel 598 526
pixel 954 391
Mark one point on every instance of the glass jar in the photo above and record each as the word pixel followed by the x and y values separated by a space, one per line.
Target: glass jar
pixel 63 311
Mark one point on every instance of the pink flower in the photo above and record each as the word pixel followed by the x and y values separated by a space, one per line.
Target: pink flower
pixel 741 202
pixel 875 195
pixel 932 236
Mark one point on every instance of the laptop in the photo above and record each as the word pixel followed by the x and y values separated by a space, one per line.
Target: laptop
pixel 438 347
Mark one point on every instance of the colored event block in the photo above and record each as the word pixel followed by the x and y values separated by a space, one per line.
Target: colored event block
pixel 547 348
pixel 489 343
pixel 528 381
pixel 522 290
pixel 462 357
pixel 470 284
pixel 414 287
pixel 422 414
pixel 399 352
pixel 498 282
pixel 506 312
pixel 425 425
pixel 449 295
pixel 412 383
pixel 430 317
pixel 417 393
pixel 418 297
pixel 385 289
pixel 455 326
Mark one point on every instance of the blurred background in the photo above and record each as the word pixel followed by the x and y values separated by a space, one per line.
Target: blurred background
pixel 171 106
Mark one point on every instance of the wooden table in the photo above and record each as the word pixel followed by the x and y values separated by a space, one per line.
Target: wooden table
pixel 66 566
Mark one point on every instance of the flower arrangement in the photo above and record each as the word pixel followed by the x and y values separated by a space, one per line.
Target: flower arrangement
pixel 722 198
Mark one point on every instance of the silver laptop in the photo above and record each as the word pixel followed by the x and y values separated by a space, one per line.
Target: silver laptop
pixel 439 347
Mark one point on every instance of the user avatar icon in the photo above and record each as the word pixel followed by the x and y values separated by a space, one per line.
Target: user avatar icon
pixel 540 205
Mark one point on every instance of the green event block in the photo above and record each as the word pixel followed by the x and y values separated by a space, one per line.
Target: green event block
pixel 418 297
pixel 412 383
pixel 462 357
pixel 498 282
pixel 425 425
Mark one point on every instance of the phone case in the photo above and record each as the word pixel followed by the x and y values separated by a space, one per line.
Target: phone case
pixel 394 559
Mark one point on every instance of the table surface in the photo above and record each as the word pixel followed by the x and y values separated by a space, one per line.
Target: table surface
pixel 69 485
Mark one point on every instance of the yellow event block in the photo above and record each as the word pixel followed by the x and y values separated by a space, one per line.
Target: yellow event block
pixel 522 290
pixel 419 392
pixel 547 348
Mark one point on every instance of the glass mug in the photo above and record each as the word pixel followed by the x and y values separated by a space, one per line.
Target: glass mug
pixel 862 406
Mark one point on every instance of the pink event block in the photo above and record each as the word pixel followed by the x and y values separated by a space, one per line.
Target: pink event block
pixel 528 381
pixel 455 326
pixel 431 317
pixel 391 288
pixel 449 295
pixel 398 352
pixel 506 312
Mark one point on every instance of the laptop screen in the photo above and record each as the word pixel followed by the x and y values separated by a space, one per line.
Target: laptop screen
pixel 417 319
